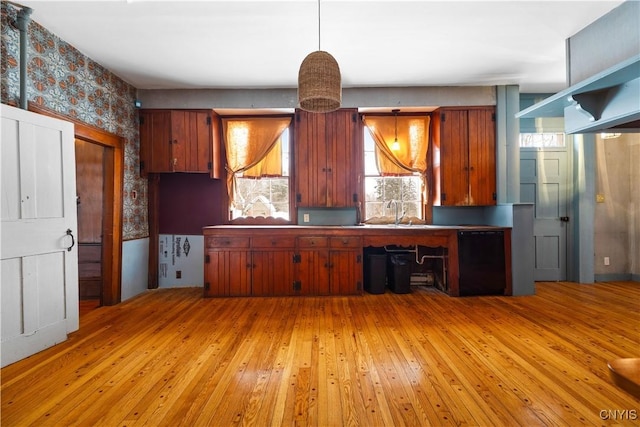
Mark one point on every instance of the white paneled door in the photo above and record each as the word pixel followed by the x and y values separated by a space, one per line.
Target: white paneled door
pixel 39 259
pixel 544 182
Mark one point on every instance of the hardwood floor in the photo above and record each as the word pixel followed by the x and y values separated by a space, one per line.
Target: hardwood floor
pixel 88 305
pixel 170 357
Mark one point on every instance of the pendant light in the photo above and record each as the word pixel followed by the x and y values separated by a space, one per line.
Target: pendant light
pixel 319 85
pixel 395 146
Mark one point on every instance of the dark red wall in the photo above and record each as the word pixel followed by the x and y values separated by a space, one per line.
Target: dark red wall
pixel 189 202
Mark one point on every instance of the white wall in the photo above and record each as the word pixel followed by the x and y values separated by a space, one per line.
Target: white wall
pixel 608 41
pixel 135 267
pixel 616 212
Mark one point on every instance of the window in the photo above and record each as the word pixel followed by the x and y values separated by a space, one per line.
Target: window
pixel 258 160
pixel 264 195
pixel 542 140
pixel 381 190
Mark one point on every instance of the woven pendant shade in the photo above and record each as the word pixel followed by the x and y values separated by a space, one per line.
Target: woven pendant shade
pixel 319 84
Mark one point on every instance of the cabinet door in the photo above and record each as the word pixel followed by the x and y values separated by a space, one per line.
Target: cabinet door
pixel 272 273
pixel 343 157
pixel 227 273
pixel 191 141
pixel 310 159
pixel 155 141
pixel 312 272
pixel 482 157
pixel 454 158
pixel 328 158
pixel 467 157
pixel 345 270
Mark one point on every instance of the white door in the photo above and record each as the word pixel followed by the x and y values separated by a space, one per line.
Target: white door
pixel 543 181
pixel 39 262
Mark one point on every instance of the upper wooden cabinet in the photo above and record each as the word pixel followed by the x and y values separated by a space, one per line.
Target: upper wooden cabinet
pixel 180 141
pixel 328 158
pixel 464 142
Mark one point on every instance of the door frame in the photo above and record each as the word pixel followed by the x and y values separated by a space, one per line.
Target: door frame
pixel 566 254
pixel 112 201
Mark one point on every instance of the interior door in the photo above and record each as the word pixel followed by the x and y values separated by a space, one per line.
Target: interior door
pixel 39 259
pixel 544 182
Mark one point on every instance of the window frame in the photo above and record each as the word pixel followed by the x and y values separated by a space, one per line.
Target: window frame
pixel 226 201
pixel 425 178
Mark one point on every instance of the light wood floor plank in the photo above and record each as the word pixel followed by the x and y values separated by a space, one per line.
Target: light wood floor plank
pixel 169 357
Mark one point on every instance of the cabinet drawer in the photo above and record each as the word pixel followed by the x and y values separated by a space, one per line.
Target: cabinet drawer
pixel 346 242
pixel 313 242
pixel 273 242
pixel 227 242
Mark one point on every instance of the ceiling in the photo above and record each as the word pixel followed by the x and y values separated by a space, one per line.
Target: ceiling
pixel 260 44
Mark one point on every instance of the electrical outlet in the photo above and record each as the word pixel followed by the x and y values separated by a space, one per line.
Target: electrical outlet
pixel 179 274
pixel 599 198
pixel 306 218
pixel 607 261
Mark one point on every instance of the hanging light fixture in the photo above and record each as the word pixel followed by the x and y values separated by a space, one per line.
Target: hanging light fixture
pixel 319 85
pixel 395 146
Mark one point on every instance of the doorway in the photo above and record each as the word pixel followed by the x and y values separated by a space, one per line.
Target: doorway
pixel 544 181
pixel 111 148
pixel 90 206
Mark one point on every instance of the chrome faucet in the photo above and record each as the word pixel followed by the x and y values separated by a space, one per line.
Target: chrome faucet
pixel 395 204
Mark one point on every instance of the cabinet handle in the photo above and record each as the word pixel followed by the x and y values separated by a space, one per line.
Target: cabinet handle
pixel 73 240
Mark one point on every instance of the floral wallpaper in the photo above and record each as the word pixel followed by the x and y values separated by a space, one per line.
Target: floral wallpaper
pixel 62 79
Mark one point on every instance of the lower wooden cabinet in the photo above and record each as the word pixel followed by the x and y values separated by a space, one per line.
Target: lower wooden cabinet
pixel 282 265
pixel 272 273
pixel 329 265
pixel 227 273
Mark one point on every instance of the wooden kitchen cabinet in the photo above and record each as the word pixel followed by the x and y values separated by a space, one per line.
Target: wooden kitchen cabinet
pixel 243 266
pixel 328 157
pixel 329 265
pixel 228 267
pixel 464 142
pixel 180 141
pixel 320 260
pixel 345 260
pixel 272 265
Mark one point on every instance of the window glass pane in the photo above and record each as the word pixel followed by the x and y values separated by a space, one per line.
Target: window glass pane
pixel 266 196
pixel 541 140
pixel 380 190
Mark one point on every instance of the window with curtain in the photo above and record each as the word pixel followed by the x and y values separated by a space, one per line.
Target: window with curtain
pixel 257 164
pixel 395 168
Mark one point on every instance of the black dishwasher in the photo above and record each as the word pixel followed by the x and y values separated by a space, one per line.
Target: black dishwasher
pixel 481 261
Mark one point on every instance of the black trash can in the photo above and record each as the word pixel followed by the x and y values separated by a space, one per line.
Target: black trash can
pixel 400 274
pixel 375 273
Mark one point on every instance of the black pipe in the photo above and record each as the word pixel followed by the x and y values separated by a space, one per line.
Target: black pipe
pixel 23 25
